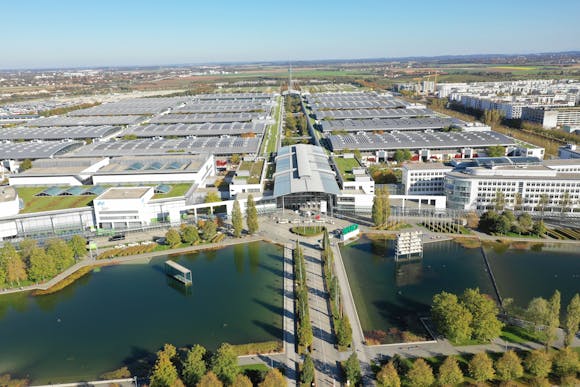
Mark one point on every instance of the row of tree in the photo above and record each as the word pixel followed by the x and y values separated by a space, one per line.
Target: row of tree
pixel 471 316
pixel 341 323
pixel 304 333
pixel 251 217
pixel 196 367
pixel 481 368
pixel 190 234
pixel 542 316
pixel 34 263
pixel 381 207
pixel 493 222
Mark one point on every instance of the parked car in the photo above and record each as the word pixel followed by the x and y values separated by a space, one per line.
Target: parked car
pixel 117 237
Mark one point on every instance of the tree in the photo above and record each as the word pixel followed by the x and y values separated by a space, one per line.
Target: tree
pixel 26 248
pixel 488 221
pixel 251 215
pixel 12 267
pixel 526 222
pixel 242 380
pixel 209 229
pixel 41 265
pixel 495 151
pixel 307 374
pixel 502 225
pixel 539 228
pixel 543 202
pixel 499 201
pixel 565 362
pixel 518 201
pixel 388 376
pixel 485 324
pixel 164 373
pixel 386 204
pixel 224 364
pixel 172 237
pixel 235 158
pixel 453 320
pixel 352 369
pixel 194 365
pixel 189 234
pixel 212 197
pixel 480 367
pixel 402 155
pixel 420 374
pixel 378 212
pixel 565 202
pixel 24 165
pixel 509 366
pixel 210 380
pixel 554 317
pixel 273 378
pixel 344 332
pixel 538 363
pixel 492 118
pixel 572 320
pixel 61 253
pixel 450 373
pixel 237 220
pixel 78 245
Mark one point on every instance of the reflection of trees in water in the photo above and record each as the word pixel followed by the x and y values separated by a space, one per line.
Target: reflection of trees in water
pixel 18 301
pixel 254 253
pixel 239 255
pixel 408 273
pixel 49 302
pixel 211 255
pixel 179 286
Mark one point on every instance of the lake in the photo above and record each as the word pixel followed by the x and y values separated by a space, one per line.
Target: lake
pixel 119 314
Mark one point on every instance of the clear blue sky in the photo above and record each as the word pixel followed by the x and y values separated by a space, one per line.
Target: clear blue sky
pixel 42 33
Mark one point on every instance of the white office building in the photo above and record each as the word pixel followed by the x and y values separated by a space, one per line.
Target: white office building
pixel 424 178
pixel 525 186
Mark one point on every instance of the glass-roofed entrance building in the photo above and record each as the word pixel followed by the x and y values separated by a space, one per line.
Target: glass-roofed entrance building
pixel 304 179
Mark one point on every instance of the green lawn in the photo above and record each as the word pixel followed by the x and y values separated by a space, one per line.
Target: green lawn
pixel 255 168
pixel 308 230
pixel 518 335
pixel 176 190
pixel 269 145
pixel 345 167
pixel 38 204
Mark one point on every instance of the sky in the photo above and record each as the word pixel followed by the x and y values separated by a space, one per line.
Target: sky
pixel 67 33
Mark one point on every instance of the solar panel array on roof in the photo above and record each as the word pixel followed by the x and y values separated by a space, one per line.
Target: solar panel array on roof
pixel 222 106
pixel 140 106
pixel 57 133
pixel 387 124
pixel 372 113
pixel 233 96
pixel 85 121
pixel 418 140
pixel 36 150
pixel 203 118
pixel 207 129
pixel 215 145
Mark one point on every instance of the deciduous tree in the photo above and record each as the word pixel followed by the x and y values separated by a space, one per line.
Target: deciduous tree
pixel 352 369
pixel 485 324
pixel 194 366
pixel 481 367
pixel 420 374
pixel 572 320
pixel 41 265
pixel 449 373
pixel 509 366
pixel 210 380
pixel 61 253
pixel 242 380
pixel 78 244
pixel 224 364
pixel 453 320
pixel 189 234
pixel 209 229
pixel 164 373
pixel 388 376
pixel 252 215
pixel 538 363
pixel 237 220
pixel 565 362
pixel 172 237
pixel 307 374
pixel 273 378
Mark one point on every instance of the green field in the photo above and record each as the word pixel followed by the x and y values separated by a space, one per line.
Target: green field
pixel 345 167
pixel 271 136
pixel 37 204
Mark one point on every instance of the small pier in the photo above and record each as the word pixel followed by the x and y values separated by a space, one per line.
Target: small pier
pixel 180 273
pixel 409 245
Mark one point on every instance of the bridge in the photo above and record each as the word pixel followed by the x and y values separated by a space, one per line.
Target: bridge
pixel 180 273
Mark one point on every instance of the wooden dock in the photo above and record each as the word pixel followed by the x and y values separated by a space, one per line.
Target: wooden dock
pixel 180 273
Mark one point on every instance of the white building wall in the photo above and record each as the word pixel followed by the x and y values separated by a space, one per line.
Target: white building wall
pixel 19 180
